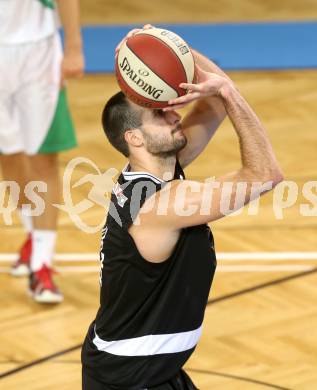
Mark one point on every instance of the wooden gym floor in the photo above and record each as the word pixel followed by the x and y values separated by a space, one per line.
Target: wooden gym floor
pixel 260 325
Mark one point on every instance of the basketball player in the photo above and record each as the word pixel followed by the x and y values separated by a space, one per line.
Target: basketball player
pixel 157 253
pixel 35 123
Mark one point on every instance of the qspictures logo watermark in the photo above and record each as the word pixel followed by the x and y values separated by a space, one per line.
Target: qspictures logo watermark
pixel 100 185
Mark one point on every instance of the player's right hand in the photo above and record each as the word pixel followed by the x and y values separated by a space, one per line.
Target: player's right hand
pixel 208 85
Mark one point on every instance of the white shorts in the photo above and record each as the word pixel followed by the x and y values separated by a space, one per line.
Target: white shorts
pixel 34 117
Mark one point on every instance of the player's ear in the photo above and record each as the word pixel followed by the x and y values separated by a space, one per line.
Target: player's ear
pixel 134 137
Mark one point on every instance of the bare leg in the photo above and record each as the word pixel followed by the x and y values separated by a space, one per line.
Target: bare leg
pixel 23 169
pixel 41 167
pixel 15 167
pixel 44 167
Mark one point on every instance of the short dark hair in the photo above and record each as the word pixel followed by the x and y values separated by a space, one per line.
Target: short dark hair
pixel 118 116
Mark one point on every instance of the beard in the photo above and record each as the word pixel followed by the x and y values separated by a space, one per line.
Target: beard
pixel 164 147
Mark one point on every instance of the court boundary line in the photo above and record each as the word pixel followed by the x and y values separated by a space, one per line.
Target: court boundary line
pixel 220 269
pixel 224 256
pixel 214 301
pixel 208 372
pixel 237 377
pixel 226 261
pixel 260 286
pixel 39 361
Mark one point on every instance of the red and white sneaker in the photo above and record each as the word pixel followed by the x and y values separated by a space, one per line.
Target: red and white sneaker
pixel 22 266
pixel 42 288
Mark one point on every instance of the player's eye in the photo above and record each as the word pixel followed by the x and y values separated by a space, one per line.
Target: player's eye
pixel 158 113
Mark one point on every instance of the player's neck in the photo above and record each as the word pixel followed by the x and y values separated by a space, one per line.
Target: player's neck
pixel 163 168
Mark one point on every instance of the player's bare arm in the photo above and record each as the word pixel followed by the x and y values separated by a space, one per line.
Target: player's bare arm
pixel 187 202
pixel 204 118
pixel 73 62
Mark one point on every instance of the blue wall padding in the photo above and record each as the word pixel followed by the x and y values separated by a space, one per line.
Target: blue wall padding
pixel 234 46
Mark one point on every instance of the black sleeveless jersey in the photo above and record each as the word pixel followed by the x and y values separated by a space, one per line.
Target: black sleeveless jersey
pixel 150 316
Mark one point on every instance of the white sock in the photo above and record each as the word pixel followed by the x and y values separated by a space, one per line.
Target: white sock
pixel 43 248
pixel 26 221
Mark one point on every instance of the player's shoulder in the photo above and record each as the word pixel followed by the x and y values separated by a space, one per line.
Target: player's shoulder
pixel 130 192
pixel 134 187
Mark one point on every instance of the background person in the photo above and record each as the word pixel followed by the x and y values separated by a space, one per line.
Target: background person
pixel 35 123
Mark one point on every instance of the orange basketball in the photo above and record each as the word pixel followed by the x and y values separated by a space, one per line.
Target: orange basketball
pixel 150 66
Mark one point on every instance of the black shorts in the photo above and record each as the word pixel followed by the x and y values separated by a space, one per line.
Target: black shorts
pixel 179 382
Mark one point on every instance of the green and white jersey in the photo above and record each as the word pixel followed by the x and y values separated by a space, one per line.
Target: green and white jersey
pixel 25 21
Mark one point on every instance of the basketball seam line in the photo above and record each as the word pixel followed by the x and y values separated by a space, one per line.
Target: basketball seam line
pixel 153 70
pixel 158 39
pixel 139 96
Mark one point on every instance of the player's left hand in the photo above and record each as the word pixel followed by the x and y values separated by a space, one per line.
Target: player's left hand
pixel 207 85
pixel 73 65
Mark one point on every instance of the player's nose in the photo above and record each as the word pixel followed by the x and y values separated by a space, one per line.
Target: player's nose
pixel 173 117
